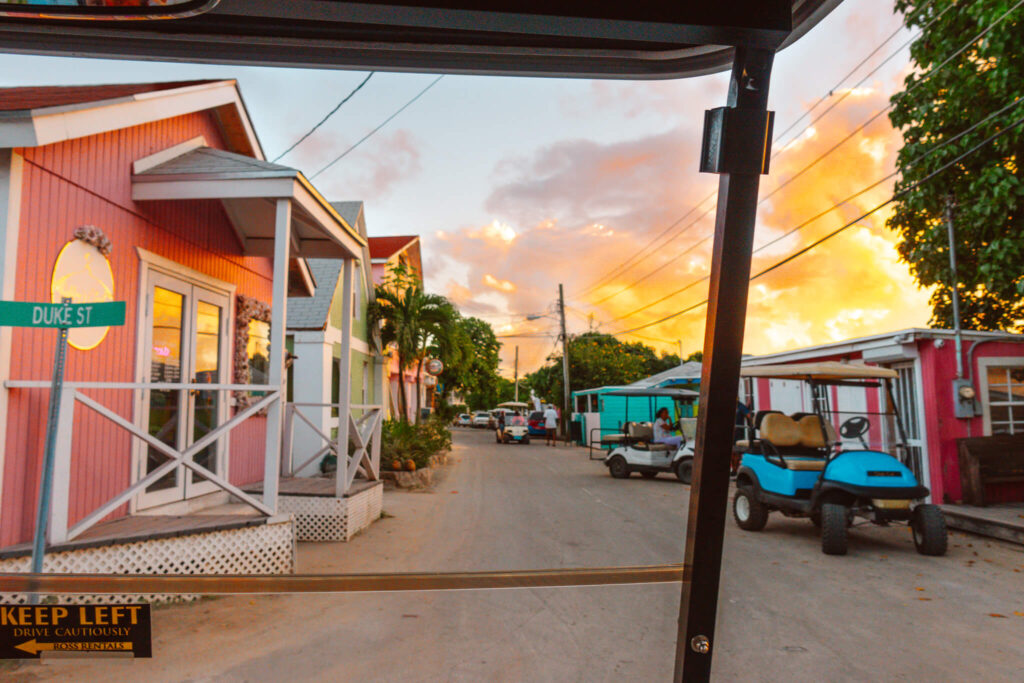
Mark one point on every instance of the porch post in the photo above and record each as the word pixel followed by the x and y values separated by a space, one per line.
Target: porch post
pixel 278 320
pixel 344 377
pixel 10 224
pixel 737 145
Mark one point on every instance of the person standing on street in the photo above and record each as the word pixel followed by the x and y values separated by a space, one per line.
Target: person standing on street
pixel 550 425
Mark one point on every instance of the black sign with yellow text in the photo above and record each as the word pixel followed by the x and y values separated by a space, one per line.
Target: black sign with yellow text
pixel 27 631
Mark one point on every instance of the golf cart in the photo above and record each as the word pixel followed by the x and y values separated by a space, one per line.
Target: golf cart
pixel 634 449
pixel 803 466
pixel 515 428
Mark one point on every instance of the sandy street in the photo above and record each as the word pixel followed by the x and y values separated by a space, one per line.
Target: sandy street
pixel 787 612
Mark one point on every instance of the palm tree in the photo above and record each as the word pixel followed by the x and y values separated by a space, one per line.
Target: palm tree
pixel 411 321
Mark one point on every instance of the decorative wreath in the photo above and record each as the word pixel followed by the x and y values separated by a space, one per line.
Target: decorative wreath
pixel 246 309
pixel 94 236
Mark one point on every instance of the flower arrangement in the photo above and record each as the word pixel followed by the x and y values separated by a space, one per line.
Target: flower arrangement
pixel 90 234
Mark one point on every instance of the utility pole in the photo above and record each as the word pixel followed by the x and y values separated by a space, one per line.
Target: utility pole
pixel 565 365
pixel 954 289
pixel 516 375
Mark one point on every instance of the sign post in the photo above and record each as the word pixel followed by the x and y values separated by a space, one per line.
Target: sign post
pixel 62 316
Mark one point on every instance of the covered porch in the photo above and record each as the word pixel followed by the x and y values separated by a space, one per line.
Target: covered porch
pixel 196 508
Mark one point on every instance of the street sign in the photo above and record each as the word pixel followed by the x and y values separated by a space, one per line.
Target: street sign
pixel 28 630
pixel 27 314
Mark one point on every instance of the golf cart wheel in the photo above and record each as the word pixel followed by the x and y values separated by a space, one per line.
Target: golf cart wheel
pixel 649 475
pixel 505 439
pixel 815 518
pixel 684 470
pixel 834 519
pixel 526 440
pixel 750 513
pixel 929 528
pixel 618 468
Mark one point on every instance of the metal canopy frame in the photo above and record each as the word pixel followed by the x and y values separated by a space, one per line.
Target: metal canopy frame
pixel 565 38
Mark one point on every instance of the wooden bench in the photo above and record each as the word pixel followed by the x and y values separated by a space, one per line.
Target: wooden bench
pixel 989 460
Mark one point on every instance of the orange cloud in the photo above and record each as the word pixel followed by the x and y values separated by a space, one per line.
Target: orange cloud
pixel 500 285
pixel 579 209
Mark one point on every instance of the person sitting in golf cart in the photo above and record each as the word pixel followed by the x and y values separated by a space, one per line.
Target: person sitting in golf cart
pixel 664 428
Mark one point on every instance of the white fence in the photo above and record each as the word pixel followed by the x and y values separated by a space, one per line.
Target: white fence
pixel 72 395
pixel 363 431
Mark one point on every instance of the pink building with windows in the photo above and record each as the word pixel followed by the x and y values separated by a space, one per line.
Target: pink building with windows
pixel 158 195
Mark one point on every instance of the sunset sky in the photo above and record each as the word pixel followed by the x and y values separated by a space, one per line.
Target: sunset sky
pixel 516 185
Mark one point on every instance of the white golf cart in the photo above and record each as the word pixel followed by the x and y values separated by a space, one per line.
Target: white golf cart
pixel 634 449
pixel 512 428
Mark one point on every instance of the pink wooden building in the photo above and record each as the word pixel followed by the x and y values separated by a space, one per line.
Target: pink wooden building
pixel 993 363
pixel 157 195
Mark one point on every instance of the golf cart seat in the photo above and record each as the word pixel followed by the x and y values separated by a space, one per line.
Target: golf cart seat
pixel 612 438
pixel 800 443
pixel 642 434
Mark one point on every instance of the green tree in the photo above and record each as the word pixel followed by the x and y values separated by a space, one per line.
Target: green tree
pixel 414 323
pixel 474 357
pixel 597 360
pixel 939 102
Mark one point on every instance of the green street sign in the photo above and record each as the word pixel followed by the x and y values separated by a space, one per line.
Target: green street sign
pixel 27 314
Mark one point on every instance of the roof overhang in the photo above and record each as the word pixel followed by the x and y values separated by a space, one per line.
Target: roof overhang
pixel 564 38
pixel 48 125
pixel 249 200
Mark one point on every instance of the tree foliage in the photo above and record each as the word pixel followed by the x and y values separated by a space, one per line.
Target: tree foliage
pixel 937 103
pixel 597 360
pixel 413 323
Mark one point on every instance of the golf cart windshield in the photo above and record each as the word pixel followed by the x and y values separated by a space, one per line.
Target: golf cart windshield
pixel 517 421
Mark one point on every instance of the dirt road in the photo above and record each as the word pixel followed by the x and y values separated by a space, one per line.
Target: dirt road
pixel 787 612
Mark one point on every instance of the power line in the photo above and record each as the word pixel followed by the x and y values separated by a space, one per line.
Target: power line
pixel 832 208
pixel 329 115
pixel 841 229
pixel 859 128
pixel 636 255
pixel 386 121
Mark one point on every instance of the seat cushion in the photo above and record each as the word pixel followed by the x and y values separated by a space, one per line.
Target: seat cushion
pixel 659 447
pixel 780 430
pixel 612 438
pixel 805 464
pixel 810 432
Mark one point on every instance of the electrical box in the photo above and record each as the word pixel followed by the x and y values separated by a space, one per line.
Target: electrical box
pixel 965 400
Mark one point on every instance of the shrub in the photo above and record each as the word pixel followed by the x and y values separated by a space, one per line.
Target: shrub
pixel 404 441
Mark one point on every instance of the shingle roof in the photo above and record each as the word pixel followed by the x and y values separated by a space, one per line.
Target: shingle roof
pixel 209 161
pixel 32 97
pixel 386 247
pixel 349 211
pixel 310 313
pixel 687 371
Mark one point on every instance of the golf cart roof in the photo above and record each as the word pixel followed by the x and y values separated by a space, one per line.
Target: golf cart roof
pixel 513 404
pixel 670 392
pixel 824 371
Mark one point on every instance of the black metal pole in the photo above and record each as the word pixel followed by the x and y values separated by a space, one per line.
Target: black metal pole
pixel 736 145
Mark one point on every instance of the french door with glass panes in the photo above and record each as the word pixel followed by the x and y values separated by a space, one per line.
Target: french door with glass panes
pixel 186 328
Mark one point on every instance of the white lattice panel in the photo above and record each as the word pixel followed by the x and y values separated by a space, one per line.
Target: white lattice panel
pixel 264 549
pixel 364 509
pixel 317 518
pixel 322 518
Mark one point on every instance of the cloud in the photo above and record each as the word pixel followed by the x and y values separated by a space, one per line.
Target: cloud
pixel 573 211
pixel 500 285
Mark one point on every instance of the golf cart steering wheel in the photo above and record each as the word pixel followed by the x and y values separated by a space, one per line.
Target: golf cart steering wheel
pixel 854 428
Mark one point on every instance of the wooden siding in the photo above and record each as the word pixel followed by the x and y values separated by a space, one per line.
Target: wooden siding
pixel 88 181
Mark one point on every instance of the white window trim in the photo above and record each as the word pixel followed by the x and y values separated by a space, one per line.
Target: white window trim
pixel 983 365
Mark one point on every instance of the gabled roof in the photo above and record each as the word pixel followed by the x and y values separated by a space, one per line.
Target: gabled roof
pixel 48 96
pixel 350 211
pixel 207 161
pixel 311 313
pixel 689 370
pixel 36 116
pixel 386 247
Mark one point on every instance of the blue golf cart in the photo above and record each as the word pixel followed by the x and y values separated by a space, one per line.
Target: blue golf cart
pixel 801 465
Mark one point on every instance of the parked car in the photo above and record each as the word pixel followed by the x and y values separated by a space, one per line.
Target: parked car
pixel 464 420
pixel 493 424
pixel 535 423
pixel 481 419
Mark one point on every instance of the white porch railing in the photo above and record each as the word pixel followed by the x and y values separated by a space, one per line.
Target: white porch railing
pixel 364 432
pixel 59 530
